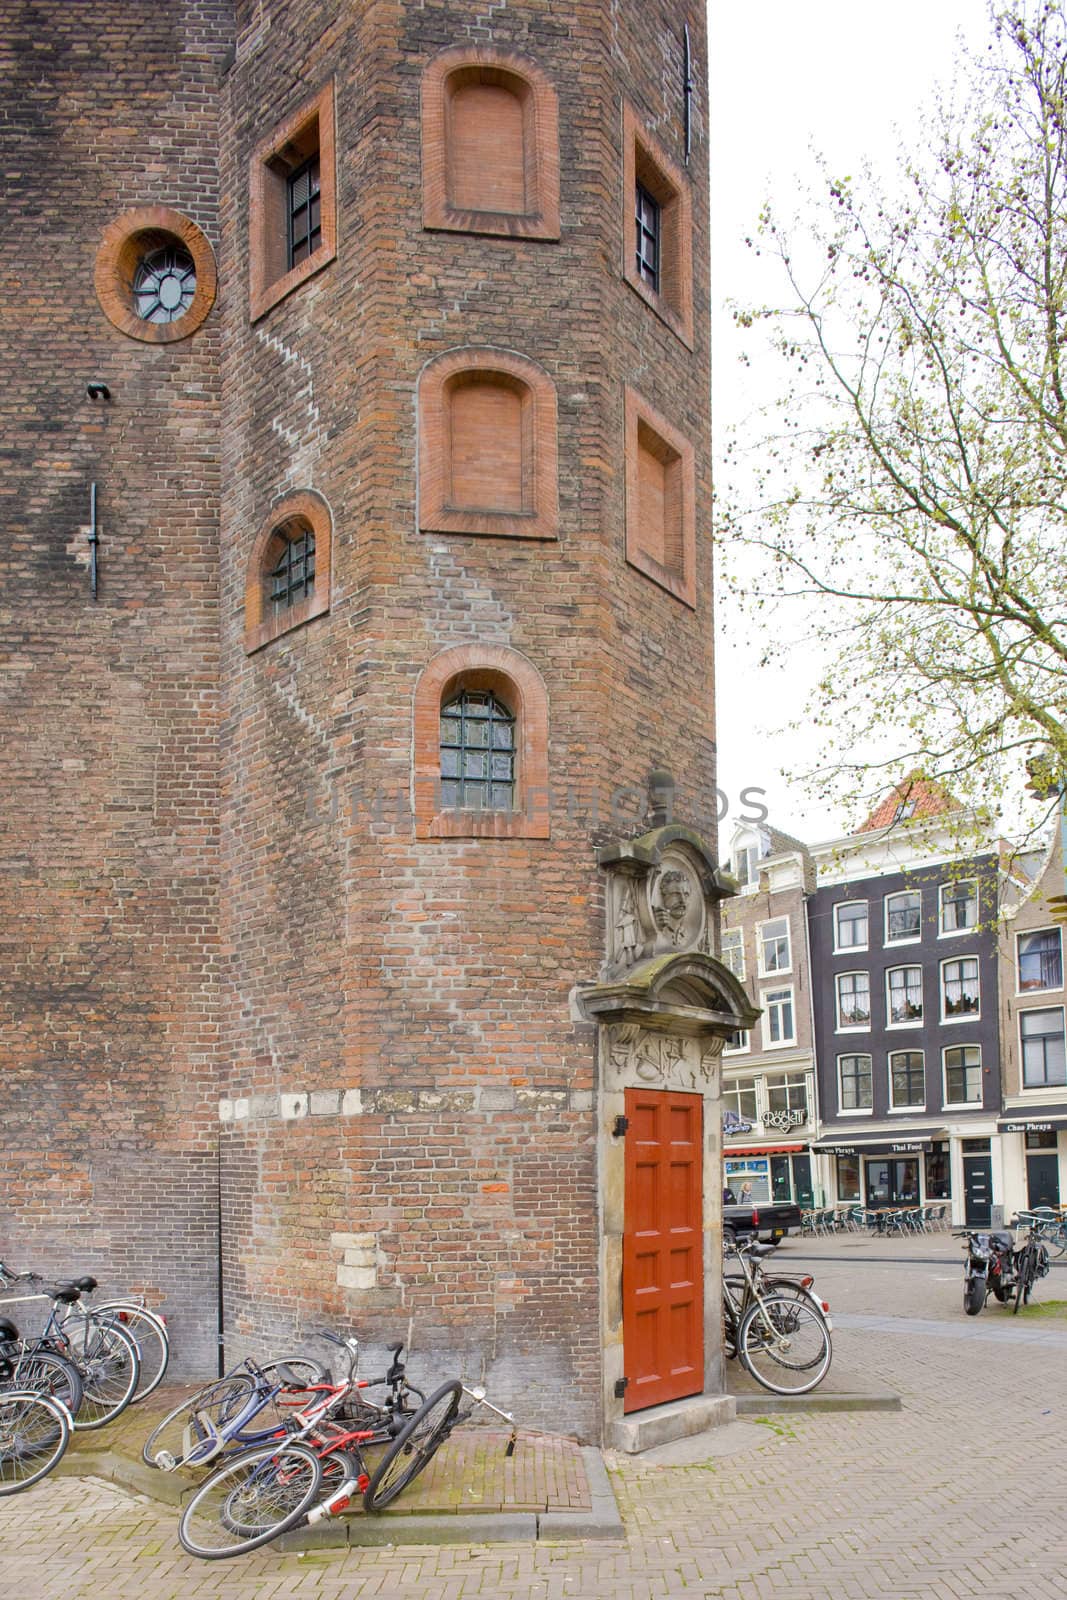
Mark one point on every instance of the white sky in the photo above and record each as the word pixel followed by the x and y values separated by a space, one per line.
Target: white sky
pixel 787 78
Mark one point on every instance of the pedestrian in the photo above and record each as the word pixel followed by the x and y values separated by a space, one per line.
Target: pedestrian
pixel 745 1197
pixel 728 1196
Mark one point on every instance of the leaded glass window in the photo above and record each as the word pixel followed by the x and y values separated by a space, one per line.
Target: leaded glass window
pixel 292 578
pixel 164 284
pixel 477 753
pixel 304 212
pixel 648 237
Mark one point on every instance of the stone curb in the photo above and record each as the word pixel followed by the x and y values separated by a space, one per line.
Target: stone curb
pixel 761 1404
pixel 600 1521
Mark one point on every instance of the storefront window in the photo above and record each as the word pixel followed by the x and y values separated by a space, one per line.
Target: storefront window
pixel 749 1169
pixel 937 1186
pixel 848 1177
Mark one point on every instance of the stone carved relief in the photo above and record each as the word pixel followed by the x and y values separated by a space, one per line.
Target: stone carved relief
pixel 635 1056
pixel 659 911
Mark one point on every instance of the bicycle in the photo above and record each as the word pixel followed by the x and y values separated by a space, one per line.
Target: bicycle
pixel 780 1332
pixel 42 1371
pixel 1031 1262
pixel 35 1430
pixel 147 1328
pixel 738 1285
pixel 1052 1229
pixel 257 1495
pixel 104 1354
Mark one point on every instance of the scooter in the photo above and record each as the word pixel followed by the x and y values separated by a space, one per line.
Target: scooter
pixel 988 1269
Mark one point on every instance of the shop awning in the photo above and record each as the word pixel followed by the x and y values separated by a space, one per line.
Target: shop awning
pixel 1032 1122
pixel 731 1150
pixel 876 1147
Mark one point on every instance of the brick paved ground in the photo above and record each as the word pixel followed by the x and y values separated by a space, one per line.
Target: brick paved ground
pixel 959 1494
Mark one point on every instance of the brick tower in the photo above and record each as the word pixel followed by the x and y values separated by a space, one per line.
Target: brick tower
pixel 342 933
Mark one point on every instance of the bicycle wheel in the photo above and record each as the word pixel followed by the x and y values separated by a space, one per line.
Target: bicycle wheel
pixel 149 1333
pixel 1023 1278
pixel 250 1500
pixel 414 1446
pixel 1057 1241
pixel 109 1367
pixel 784 1344
pixel 218 1403
pixel 34 1432
pixel 45 1372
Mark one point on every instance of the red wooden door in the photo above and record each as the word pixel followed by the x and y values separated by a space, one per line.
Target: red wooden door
pixel 662 1249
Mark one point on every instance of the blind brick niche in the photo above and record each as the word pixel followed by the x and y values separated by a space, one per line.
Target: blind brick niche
pixel 487 446
pixel 490 146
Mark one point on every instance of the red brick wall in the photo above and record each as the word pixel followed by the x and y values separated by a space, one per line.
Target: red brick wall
pixel 408 1111
pixel 108 709
pixel 403 1001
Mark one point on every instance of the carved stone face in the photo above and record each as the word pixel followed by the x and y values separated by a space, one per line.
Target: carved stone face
pixel 674 892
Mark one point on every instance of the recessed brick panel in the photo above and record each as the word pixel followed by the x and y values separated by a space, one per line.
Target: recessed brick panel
pixel 660 500
pixel 490 145
pixel 487 446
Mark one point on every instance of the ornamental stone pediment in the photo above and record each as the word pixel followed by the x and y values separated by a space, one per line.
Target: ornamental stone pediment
pixel 661 892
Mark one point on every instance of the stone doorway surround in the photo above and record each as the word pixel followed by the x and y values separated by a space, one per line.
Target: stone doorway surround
pixel 664 1005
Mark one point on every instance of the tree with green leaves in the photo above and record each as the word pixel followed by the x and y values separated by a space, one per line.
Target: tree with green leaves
pixel 912 491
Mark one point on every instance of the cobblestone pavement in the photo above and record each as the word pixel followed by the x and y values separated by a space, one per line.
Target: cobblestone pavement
pixel 959 1494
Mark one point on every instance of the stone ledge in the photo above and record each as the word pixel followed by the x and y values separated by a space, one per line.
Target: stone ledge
pixel 749 1405
pixel 664 1424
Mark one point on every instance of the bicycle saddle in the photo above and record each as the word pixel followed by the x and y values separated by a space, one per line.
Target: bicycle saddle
pixel 8 1330
pixel 66 1293
pixel 86 1285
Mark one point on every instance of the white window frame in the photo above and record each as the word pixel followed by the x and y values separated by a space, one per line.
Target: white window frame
pixel 796 1079
pixel 959 1105
pixel 750 853
pixel 848 949
pixel 1026 933
pixel 896 1110
pixel 734 1083
pixel 912 938
pixel 1041 1089
pixel 851 1027
pixel 765 1002
pixel 740 934
pixel 854 1111
pixel 739 1049
pixel 911 1022
pixel 964 1016
pixel 955 933
pixel 774 972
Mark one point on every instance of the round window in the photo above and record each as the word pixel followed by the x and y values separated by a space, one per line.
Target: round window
pixel 155 274
pixel 164 284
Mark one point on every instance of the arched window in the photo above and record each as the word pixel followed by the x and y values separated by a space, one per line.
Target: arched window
pixel 487 446
pixel 288 577
pixel 477 752
pixel 481 746
pixel 490 146
pixel 291 578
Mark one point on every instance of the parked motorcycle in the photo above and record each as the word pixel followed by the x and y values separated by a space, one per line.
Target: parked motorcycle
pixel 989 1268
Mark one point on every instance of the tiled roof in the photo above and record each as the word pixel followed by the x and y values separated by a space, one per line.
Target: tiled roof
pixel 913 797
